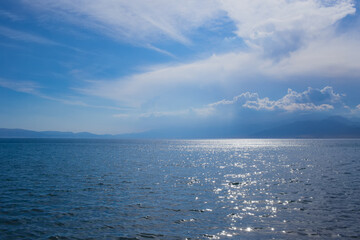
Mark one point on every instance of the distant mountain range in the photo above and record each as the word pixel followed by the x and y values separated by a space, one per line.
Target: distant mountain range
pixel 22 133
pixel 333 127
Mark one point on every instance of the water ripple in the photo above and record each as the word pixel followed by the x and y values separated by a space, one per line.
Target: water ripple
pixel 198 189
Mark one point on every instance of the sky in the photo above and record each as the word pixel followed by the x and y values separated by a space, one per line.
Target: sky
pixel 116 66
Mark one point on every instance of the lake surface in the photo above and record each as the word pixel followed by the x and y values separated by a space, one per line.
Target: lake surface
pixel 198 189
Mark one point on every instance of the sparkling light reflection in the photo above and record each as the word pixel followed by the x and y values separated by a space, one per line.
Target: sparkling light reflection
pixel 248 177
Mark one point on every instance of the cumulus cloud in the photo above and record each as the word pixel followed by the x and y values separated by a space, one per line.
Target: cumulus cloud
pixel 309 100
pixel 240 98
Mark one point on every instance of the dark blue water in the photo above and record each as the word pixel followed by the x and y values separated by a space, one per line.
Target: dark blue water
pixel 201 189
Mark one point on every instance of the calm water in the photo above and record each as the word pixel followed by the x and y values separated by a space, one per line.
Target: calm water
pixel 201 189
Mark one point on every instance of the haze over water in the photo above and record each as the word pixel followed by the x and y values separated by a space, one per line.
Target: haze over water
pixel 198 189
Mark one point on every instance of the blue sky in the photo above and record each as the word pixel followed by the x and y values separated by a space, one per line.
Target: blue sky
pixel 112 66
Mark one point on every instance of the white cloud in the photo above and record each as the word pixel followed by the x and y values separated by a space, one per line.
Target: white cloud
pixel 266 104
pixel 240 98
pixel 355 111
pixel 148 21
pixel 279 27
pixel 134 21
pixel 309 100
pixel 139 88
pixel 332 59
pixel 302 31
pixel 258 19
pixel 152 47
pixel 329 56
pixel 290 39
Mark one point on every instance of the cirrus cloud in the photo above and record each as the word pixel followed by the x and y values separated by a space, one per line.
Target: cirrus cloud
pixel 136 21
pixel 146 21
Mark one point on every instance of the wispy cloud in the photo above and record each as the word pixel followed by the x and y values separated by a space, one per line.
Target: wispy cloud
pixel 24 36
pixel 138 22
pixel 160 50
pixel 9 15
pixel 34 88
pixel 20 86
pixel 275 22
pixel 165 113
pixel 139 88
pixel 122 115
pixel 71 101
pixel 33 38
pixel 280 21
